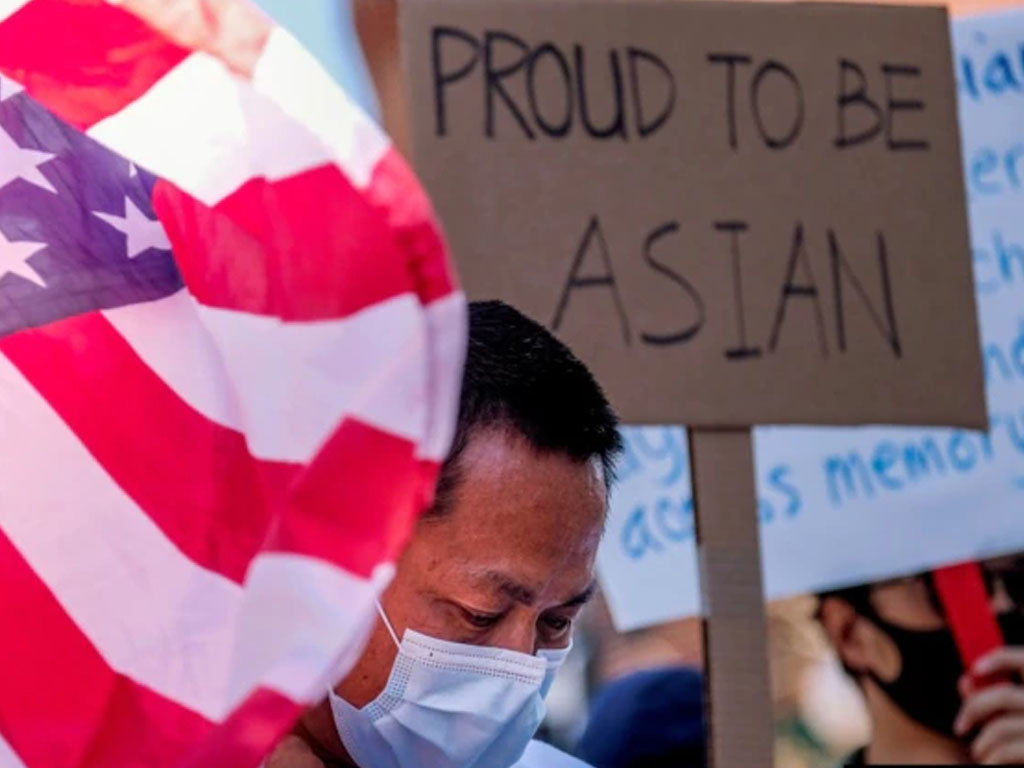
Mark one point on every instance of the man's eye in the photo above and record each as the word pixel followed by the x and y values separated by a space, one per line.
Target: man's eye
pixel 481 620
pixel 557 623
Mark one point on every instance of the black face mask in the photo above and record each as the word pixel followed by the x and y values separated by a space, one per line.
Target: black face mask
pixel 926 687
pixel 1012 625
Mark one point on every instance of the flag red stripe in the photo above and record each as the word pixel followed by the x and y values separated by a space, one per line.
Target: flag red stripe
pixel 353 505
pixel 397 194
pixel 248 734
pixel 61 705
pixel 357 502
pixel 165 455
pixel 325 253
pixel 84 60
pixel 234 32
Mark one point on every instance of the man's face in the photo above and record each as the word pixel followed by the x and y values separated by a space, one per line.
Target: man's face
pixel 509 564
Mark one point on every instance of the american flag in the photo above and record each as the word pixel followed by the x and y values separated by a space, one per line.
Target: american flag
pixel 230 347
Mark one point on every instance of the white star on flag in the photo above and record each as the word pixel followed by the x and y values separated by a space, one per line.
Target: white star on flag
pixel 143 232
pixel 14 260
pixel 16 162
pixel 9 88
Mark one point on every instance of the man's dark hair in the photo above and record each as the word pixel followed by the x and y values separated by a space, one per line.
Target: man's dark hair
pixel 519 376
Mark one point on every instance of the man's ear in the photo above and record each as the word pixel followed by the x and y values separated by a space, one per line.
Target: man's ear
pixel 843 628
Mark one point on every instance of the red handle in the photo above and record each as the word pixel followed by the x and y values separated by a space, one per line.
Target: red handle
pixel 968 609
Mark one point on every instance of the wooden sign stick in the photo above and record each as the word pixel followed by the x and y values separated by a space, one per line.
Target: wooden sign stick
pixel 737 680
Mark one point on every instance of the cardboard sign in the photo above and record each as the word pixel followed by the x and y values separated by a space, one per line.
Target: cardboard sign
pixel 734 213
pixel 847 506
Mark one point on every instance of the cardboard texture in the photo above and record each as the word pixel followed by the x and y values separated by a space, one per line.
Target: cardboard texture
pixel 735 213
pixel 741 723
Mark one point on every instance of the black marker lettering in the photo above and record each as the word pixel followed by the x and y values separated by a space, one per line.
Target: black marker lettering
pixel 895 105
pixel 646 126
pixel 684 335
pixel 785 139
pixel 730 60
pixel 603 280
pixel 616 125
pixel 443 79
pixel 809 289
pixel 743 351
pixel 855 97
pixel 494 75
pixel 888 326
pixel 554 129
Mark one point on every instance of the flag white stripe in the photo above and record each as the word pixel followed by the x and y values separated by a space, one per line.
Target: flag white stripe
pixel 179 629
pixel 208 131
pixel 291 77
pixel 287 385
pixel 8 757
pixel 170 339
pixel 311 621
pixel 295 382
pixel 446 329
pixel 9 8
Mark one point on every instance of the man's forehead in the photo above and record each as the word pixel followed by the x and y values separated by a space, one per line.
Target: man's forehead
pixel 502 444
pixel 504 481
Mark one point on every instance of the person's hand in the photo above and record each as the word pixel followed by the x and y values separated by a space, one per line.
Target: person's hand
pixel 293 752
pixel 995 713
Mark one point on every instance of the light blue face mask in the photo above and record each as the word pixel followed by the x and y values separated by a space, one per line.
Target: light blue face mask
pixel 449 705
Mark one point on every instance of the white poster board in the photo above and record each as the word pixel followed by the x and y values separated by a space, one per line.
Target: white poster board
pixel 851 505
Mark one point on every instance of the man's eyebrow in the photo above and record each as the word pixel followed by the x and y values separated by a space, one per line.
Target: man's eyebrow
pixel 503 583
pixel 582 597
pixel 523 594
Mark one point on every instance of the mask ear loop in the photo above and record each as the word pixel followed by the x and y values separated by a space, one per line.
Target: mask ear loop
pixel 391 630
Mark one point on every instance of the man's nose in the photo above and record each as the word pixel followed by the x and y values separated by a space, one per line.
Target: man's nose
pixel 516 633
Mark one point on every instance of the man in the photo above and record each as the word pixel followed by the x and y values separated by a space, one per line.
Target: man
pixel 925 708
pixel 481 609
